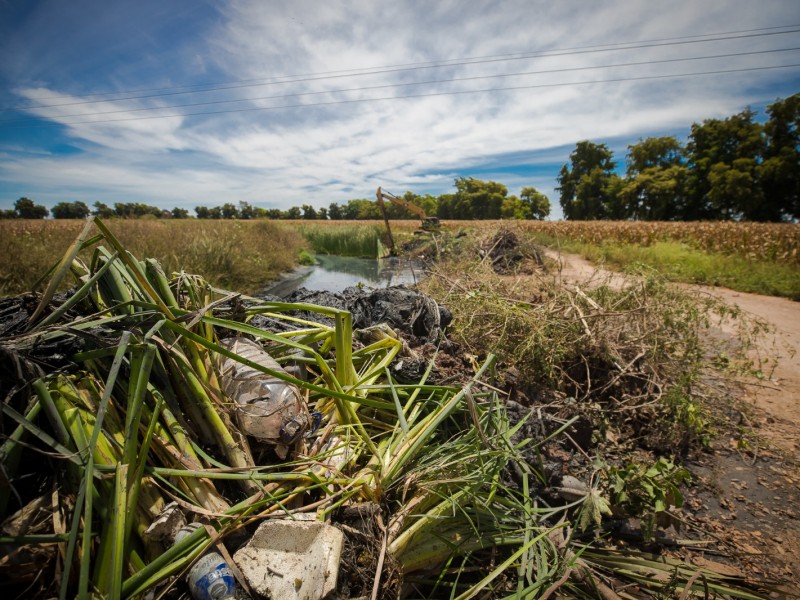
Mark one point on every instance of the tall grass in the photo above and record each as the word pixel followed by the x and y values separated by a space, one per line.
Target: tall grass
pixel 241 255
pixel 344 238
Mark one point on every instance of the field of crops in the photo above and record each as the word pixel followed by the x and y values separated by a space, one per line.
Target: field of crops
pixel 777 242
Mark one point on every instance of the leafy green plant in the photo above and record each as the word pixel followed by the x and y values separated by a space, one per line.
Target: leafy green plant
pixel 645 491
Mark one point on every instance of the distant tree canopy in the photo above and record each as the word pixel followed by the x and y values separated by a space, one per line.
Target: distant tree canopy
pixel 734 168
pixel 25 208
pixel 70 210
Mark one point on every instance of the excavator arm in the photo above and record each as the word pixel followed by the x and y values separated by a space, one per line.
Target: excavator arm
pixel 428 223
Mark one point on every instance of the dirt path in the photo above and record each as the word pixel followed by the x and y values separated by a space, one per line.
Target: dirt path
pixel 776 399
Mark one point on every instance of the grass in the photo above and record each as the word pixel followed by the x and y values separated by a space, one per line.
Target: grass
pixel 242 255
pixel 678 261
pixel 343 238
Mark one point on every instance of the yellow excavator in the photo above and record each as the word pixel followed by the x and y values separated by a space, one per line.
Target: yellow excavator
pixel 427 224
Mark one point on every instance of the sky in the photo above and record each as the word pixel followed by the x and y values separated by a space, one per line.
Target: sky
pixel 181 103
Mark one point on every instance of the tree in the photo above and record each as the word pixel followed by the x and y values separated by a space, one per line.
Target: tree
pixel 229 211
pixel 247 211
pixel 334 211
pixel 715 151
pixel 655 185
pixel 25 208
pixel 293 213
pixel 70 210
pixel 309 212
pixel 179 213
pixel 779 173
pixel 322 214
pixel 102 210
pixel 537 205
pixel 202 212
pixel 476 199
pixel 587 183
pixel 661 152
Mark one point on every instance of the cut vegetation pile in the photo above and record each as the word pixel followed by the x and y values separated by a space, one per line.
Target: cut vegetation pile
pixel 115 406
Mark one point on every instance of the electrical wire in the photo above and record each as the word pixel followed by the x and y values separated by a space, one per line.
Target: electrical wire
pixel 664 42
pixel 412 96
pixel 408 84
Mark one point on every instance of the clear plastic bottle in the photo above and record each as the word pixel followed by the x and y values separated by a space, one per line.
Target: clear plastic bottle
pixel 266 408
pixel 210 578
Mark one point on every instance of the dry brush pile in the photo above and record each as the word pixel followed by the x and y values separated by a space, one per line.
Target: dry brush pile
pixel 115 403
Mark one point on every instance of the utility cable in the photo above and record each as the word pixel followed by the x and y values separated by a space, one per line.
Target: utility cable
pixel 408 84
pixel 412 96
pixel 426 66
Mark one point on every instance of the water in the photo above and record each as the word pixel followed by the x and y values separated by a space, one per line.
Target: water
pixel 335 273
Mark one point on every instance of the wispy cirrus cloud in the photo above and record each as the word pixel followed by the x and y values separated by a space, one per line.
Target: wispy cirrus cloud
pixel 311 101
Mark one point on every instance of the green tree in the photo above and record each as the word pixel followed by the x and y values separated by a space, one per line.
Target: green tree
pixel 247 211
pixel 476 199
pixel 334 211
pixel 588 182
pixel 293 213
pixel 179 213
pixel 719 153
pixel 102 210
pixel 25 208
pixel 229 211
pixel 202 212
pixel 309 212
pixel 655 184
pixel 537 205
pixel 779 173
pixel 70 210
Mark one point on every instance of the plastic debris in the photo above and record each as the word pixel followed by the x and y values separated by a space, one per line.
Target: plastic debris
pixel 266 407
pixel 210 578
pixel 292 560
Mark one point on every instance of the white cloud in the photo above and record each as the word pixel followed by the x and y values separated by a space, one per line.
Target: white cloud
pixel 325 153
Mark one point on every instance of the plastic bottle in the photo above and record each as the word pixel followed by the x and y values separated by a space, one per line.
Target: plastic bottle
pixel 210 578
pixel 266 408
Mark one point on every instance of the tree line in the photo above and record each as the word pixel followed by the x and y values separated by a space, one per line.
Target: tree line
pixel 473 199
pixel 729 169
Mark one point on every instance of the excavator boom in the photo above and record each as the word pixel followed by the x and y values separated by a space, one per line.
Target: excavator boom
pixel 428 223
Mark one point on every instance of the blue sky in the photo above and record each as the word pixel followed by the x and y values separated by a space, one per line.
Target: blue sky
pixel 189 102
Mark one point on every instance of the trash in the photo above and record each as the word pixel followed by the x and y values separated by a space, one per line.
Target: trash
pixel 210 578
pixel 166 527
pixel 297 560
pixel 266 408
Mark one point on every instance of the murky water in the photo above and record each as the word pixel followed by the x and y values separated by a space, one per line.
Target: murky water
pixel 335 273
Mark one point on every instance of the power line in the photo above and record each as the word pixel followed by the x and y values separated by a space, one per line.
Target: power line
pixel 412 96
pixel 664 42
pixel 408 84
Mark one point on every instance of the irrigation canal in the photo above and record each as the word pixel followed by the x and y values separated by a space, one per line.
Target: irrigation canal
pixel 335 273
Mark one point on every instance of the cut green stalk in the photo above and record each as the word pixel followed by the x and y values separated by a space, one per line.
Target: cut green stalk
pixel 61 271
pixel 10 453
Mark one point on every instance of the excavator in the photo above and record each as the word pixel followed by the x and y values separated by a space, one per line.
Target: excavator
pixel 427 224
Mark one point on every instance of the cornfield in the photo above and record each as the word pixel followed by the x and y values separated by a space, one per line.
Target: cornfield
pixel 770 242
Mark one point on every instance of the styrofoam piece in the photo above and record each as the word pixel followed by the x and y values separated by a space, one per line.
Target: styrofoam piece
pixel 292 560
